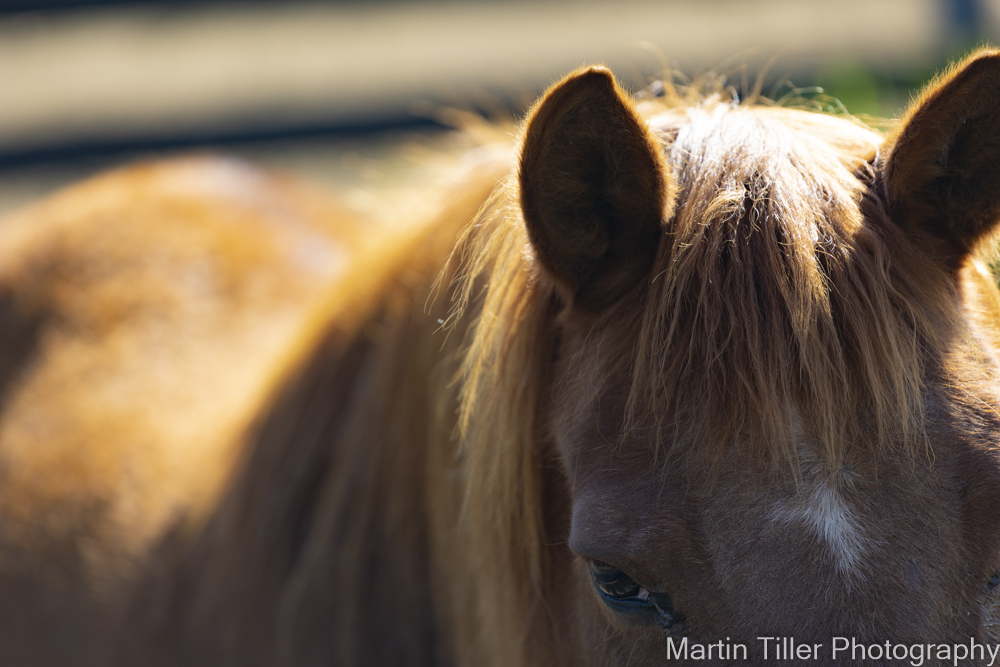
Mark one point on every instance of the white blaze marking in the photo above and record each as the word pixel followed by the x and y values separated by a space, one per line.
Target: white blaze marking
pixel 822 508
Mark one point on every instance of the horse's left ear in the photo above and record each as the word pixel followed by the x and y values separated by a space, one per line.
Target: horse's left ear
pixel 942 172
pixel 594 188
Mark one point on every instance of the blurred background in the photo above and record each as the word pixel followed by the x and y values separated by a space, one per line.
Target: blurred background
pixel 342 92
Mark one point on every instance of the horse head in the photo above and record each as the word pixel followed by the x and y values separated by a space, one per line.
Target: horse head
pixel 768 397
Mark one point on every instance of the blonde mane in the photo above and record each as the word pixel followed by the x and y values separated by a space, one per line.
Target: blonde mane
pixel 775 307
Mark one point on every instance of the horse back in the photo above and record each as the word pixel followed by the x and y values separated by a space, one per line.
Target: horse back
pixel 141 314
pixel 336 540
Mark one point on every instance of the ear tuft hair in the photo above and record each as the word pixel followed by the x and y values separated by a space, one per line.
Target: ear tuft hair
pixel 942 172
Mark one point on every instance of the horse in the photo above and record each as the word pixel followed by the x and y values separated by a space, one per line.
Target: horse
pixel 674 380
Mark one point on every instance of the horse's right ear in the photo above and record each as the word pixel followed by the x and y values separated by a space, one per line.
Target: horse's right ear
pixel 942 173
pixel 594 188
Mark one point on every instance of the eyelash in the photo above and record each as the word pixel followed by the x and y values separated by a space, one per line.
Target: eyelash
pixel 625 595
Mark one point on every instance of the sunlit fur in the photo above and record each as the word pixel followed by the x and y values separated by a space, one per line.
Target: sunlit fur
pixel 241 427
pixel 129 300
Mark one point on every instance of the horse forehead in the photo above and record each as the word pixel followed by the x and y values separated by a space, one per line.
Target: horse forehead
pixel 846 515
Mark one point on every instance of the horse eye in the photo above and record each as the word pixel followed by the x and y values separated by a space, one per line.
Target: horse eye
pixel 625 595
pixel 614 583
pixel 994 580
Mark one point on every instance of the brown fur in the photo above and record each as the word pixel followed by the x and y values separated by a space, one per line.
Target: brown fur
pixel 745 354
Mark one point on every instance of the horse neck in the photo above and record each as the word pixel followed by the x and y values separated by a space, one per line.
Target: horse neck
pixel 335 541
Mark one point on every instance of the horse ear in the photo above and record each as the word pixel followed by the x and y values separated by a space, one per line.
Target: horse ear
pixel 594 188
pixel 942 173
